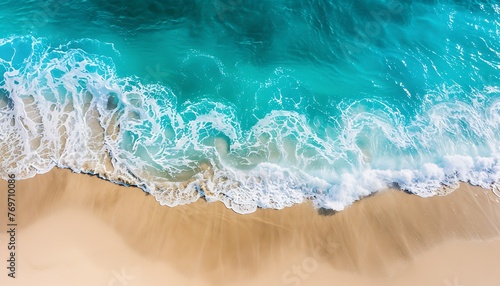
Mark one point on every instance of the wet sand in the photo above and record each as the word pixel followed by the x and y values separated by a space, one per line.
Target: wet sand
pixel 75 229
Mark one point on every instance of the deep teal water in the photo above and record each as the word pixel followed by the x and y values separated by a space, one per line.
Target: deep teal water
pixel 254 103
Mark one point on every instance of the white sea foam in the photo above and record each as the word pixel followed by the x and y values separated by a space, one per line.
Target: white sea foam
pixel 68 108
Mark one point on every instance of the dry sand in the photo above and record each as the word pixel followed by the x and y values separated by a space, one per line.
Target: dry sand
pixel 75 229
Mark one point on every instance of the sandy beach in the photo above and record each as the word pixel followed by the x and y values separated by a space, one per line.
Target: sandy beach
pixel 76 229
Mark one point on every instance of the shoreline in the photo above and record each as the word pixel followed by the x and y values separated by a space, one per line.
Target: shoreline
pixel 207 244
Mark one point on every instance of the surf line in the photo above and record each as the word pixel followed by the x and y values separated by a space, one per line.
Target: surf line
pixel 11 226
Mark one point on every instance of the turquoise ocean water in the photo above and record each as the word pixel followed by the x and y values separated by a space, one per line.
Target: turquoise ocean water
pixel 254 103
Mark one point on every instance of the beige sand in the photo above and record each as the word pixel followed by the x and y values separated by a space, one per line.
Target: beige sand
pixel 79 230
